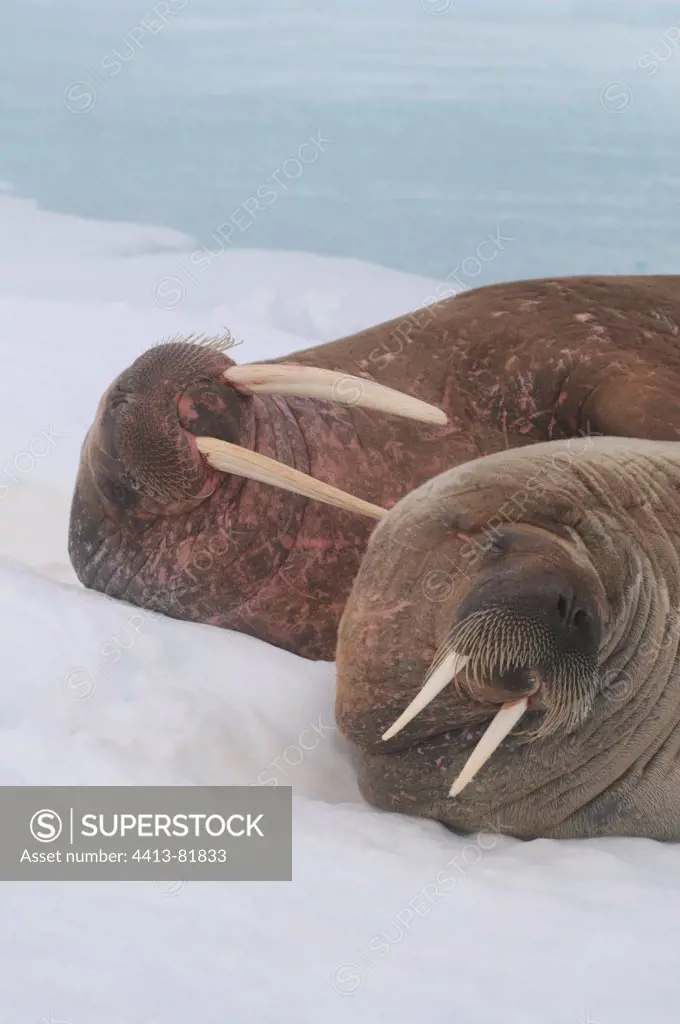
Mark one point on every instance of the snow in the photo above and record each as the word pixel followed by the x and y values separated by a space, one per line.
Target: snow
pixel 388 918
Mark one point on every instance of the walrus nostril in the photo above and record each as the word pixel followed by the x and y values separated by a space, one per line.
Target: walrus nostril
pixel 570 613
pixel 580 618
pixel 570 617
pixel 562 607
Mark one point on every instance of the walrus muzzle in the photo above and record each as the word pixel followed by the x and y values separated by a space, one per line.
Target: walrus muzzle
pixel 524 636
pixel 526 626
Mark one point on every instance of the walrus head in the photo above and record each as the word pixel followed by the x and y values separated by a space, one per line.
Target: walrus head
pixel 169 507
pixel 490 670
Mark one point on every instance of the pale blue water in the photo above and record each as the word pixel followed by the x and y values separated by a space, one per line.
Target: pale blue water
pixel 444 128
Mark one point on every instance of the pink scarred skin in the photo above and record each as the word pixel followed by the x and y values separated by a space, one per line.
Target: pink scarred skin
pixel 510 364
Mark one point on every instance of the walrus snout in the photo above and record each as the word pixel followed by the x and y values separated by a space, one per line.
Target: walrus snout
pixel 529 617
pixel 530 620
pixel 142 448
pixel 544 629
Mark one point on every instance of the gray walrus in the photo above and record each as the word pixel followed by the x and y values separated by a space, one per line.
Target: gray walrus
pixel 174 508
pixel 535 590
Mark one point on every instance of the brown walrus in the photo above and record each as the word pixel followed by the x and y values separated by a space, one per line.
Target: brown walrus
pixel 557 607
pixel 155 523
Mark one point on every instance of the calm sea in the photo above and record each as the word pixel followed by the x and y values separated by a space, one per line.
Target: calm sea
pixel 407 132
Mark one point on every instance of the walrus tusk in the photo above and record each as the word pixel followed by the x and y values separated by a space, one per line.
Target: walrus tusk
pixel 434 683
pixel 506 719
pixel 331 386
pixel 231 458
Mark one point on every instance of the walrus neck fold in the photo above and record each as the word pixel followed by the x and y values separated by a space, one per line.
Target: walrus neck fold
pixel 641 643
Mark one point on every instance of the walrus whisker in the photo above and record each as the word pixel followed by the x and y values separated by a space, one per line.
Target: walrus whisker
pixel 331 386
pixel 506 719
pixel 435 682
pixel 232 458
pixel 490 647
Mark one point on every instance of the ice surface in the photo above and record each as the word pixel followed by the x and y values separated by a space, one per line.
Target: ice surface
pixel 388 918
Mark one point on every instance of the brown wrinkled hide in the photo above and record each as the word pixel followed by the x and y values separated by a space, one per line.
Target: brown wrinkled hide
pixel 510 364
pixel 597 519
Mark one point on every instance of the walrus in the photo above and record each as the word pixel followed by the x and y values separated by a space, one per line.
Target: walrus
pixel 174 508
pixel 541 586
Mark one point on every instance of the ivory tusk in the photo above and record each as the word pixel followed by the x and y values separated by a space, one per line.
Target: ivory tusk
pixel 330 386
pixel 434 683
pixel 232 458
pixel 506 719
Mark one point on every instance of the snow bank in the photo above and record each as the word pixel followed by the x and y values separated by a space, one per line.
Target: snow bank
pixel 388 918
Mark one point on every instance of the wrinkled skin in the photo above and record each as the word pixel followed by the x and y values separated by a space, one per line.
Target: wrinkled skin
pixel 579 538
pixel 510 364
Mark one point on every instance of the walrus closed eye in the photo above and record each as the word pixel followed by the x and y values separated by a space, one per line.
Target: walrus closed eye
pixel 180 505
pixel 556 637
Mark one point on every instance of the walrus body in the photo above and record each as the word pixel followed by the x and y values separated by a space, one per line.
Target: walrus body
pixel 562 571
pixel 510 364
